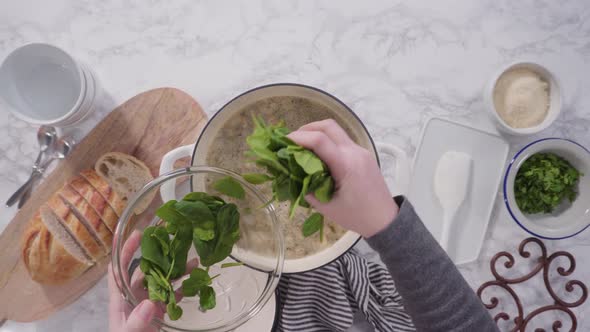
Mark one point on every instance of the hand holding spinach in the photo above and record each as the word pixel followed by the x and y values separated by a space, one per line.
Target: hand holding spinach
pixel 293 170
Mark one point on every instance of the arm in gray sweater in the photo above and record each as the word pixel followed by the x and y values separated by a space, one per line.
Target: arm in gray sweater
pixel 435 294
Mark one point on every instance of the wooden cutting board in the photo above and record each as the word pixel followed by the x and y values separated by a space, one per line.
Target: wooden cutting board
pixel 146 126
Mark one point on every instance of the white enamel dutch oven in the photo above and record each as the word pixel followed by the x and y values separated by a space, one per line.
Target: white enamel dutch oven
pixel 199 152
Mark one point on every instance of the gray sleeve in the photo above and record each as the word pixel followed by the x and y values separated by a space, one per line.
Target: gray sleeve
pixel 434 293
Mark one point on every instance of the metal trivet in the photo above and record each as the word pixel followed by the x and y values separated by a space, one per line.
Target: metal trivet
pixel 543 264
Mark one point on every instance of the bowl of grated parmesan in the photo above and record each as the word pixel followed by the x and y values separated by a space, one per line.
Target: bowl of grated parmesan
pixel 524 98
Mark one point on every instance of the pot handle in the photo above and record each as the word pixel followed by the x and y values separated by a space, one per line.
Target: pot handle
pixel 168 188
pixel 402 166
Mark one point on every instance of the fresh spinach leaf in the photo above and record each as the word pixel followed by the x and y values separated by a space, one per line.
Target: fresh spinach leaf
pixel 324 192
pixel 295 203
pixel 161 235
pixel 269 159
pixel 297 173
pixel 284 153
pixel 171 216
pixel 151 249
pixel 156 292
pixel 313 224
pixel 212 202
pixel 281 188
pixel 180 245
pixel 174 311
pixel 230 187
pixel 227 234
pixel 145 266
pixel 207 298
pixel 308 161
pixel 198 278
pixel 196 211
pixel 203 234
pixel 256 178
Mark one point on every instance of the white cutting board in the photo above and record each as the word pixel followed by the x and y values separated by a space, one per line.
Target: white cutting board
pixel 489 153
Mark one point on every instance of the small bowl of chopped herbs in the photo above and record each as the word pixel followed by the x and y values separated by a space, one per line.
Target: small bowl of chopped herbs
pixel 547 188
pixel 196 251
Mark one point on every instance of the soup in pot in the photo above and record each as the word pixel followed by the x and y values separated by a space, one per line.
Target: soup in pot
pixel 227 151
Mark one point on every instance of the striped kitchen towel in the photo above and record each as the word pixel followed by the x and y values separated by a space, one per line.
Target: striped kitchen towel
pixel 326 299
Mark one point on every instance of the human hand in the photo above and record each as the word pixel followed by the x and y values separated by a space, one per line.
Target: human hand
pixel 121 317
pixel 361 201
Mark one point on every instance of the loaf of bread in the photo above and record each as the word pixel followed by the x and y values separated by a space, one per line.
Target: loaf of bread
pixel 74 229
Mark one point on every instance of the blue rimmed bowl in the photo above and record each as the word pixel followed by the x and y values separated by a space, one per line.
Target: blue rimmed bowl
pixel 568 219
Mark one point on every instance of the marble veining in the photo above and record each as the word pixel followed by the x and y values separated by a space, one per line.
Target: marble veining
pixel 395 63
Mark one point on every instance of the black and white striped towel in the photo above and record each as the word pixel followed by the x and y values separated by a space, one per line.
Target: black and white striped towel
pixel 326 299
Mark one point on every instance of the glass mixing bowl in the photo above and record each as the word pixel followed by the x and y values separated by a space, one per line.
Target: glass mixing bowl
pixel 242 290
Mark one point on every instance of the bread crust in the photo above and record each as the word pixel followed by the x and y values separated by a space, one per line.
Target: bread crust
pixel 76 228
pixel 88 215
pixel 46 259
pixel 104 189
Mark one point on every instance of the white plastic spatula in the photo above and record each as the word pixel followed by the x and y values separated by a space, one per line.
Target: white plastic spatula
pixel 451 184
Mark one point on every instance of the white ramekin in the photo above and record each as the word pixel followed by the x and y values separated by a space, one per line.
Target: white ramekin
pixel 554 99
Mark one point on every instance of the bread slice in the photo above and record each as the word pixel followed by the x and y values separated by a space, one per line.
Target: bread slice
pixel 46 259
pixel 62 234
pixel 88 216
pixel 78 229
pixel 127 175
pixel 113 199
pixel 98 203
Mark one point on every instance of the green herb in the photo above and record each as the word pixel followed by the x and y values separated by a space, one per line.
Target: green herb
pixel 313 224
pixel 543 182
pixel 227 233
pixel 209 223
pixel 174 311
pixel 207 298
pixel 225 265
pixel 230 187
pixel 256 178
pixel 198 279
pixel 293 170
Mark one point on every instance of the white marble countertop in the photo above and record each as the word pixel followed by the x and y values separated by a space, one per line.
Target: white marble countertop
pixel 395 63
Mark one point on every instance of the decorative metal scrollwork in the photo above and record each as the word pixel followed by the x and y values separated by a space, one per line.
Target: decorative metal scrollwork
pixel 543 263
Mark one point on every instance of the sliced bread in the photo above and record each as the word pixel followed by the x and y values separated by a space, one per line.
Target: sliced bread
pixel 64 235
pixel 114 200
pixel 88 216
pixel 127 175
pixel 82 235
pixel 100 205
pixel 46 259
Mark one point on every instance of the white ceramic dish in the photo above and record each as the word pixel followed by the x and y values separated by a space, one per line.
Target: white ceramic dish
pixel 554 99
pixel 489 153
pixel 42 84
pixel 569 219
